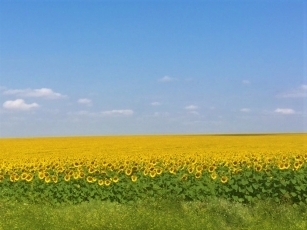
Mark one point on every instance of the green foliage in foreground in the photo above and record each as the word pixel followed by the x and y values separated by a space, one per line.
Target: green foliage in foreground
pixel 245 186
pixel 163 214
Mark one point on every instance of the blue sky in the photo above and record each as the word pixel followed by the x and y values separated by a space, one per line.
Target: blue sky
pixel 152 67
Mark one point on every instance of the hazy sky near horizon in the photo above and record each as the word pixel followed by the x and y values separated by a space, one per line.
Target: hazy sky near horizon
pixel 152 67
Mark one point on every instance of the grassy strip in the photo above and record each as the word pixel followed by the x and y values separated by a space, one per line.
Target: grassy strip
pixel 164 214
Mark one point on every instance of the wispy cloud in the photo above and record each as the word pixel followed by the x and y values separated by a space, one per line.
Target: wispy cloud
pixel 166 79
pixel 191 107
pixel 43 93
pixel 246 82
pixel 155 103
pixel 85 101
pixel 245 110
pixel 285 111
pixel 299 92
pixel 19 104
pixel 123 112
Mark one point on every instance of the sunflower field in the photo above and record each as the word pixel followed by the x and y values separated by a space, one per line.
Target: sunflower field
pixel 124 169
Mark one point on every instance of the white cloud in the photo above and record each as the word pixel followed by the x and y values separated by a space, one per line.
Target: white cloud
pixel 284 111
pixel 161 114
pixel 155 103
pixel 85 101
pixel 300 91
pixel 19 104
pixel 124 112
pixel 191 107
pixel 194 112
pixel 43 92
pixel 166 79
pixel 246 82
pixel 245 110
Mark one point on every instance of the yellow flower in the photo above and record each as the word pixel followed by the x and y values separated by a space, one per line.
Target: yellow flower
pixel 89 179
pixel 23 176
pixel 41 175
pixel 107 182
pixel 152 174
pixel 1 178
pixel 115 179
pixel 134 178
pixel 67 177
pixel 54 178
pixel 211 168
pixel 47 179
pixel 101 182
pixel 224 179
pixel 296 165
pixel 258 168
pixel 159 171
pixel 197 175
pixel 146 171
pixel 190 169
pixel 128 171
pixel 213 175
pixel 199 168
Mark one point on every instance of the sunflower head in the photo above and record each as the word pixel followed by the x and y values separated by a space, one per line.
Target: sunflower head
pixel 115 179
pixel 107 182
pixel 128 171
pixel 197 175
pixel 152 173
pixel 224 179
pixel 101 182
pixel 67 177
pixel 134 178
pixel 213 175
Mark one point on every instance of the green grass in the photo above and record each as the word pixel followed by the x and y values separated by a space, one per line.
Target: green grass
pixel 164 214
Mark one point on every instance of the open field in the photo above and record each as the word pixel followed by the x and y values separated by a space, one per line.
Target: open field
pixel 154 182
pixel 241 168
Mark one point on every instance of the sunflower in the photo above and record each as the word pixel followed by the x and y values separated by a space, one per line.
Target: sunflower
pixel 29 177
pixel 152 173
pixel 134 178
pixel 197 175
pixel 81 175
pixel 287 165
pixel 54 178
pixel 67 177
pixel 128 171
pixel 211 168
pixel 107 182
pixel 23 176
pixel 199 168
pixel 1 178
pixel 47 179
pixel 146 171
pixel 101 182
pixel 224 179
pixel 296 165
pixel 41 175
pixel 76 175
pixel 159 171
pixel 172 170
pixel 91 170
pixel 213 175
pixel 258 168
pixel 12 177
pixel 281 165
pixel 115 179
pixel 89 179
pixel 190 169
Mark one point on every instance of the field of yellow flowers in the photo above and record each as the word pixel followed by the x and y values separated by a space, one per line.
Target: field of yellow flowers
pixel 240 168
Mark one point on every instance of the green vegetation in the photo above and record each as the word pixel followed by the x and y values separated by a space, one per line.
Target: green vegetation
pixel 163 214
